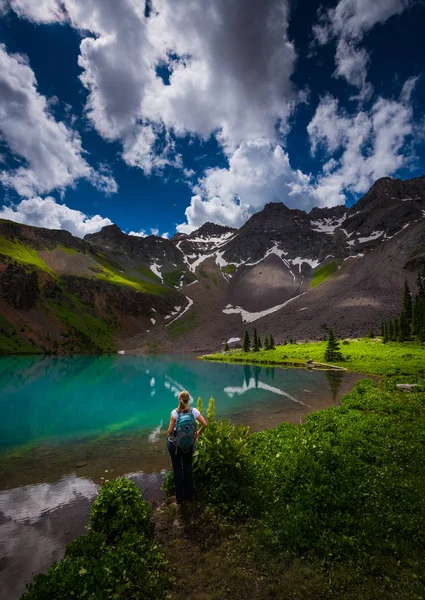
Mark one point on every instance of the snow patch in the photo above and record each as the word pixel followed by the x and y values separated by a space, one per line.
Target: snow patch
pixel 327 225
pixel 373 236
pixel 250 317
pixel 310 261
pixel 155 269
pixel 354 256
pixel 153 321
pixel 190 302
pixel 213 240
pixel 196 281
pixel 273 250
pixel 389 237
pixel 232 340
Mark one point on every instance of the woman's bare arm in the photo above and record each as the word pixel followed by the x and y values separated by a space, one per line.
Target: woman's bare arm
pixel 203 423
pixel 171 426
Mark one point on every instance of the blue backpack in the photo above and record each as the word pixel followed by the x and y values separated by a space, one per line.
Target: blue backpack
pixel 185 431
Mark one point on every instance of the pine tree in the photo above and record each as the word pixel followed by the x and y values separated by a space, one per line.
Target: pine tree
pixel 370 333
pixel 226 347
pixel 390 331
pixel 246 342
pixel 333 351
pixel 260 345
pixel 266 343
pixel 415 315
pixel 256 345
pixel 394 329
pixel 404 328
pixel 418 309
pixel 385 337
pixel 271 342
pixel 407 303
pixel 285 342
pixel 382 329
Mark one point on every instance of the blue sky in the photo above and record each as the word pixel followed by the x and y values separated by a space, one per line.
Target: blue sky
pixel 160 118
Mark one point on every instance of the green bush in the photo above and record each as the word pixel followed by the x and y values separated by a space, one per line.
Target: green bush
pixel 349 480
pixel 120 507
pixel 115 560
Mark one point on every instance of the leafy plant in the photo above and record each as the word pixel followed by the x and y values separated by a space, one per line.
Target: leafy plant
pixel 115 560
pixel 120 507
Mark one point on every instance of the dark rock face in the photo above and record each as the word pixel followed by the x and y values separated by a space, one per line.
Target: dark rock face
pixel 124 300
pixel 334 213
pixel 140 250
pixel 18 287
pixel 40 238
pixel 289 229
pixel 211 229
pixel 388 206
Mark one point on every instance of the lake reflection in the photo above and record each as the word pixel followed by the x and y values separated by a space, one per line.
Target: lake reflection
pixel 88 414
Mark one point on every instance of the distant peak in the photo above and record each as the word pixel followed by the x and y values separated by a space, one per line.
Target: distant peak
pixel 211 229
pixel 111 229
pixel 109 232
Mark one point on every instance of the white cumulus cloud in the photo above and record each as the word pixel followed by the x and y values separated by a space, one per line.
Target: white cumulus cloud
pixel 50 153
pixel 229 67
pixel 258 173
pixel 46 212
pixel 348 23
pixel 371 144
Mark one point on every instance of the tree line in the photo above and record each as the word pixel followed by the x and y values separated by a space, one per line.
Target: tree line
pixel 255 344
pixel 410 323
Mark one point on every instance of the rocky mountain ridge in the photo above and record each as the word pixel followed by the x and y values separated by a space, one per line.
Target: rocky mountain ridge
pixel 291 272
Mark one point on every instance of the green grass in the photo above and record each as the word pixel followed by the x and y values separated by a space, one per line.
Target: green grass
pixel 70 251
pixel 86 332
pixel 172 278
pixel 364 356
pixel 22 254
pixel 323 273
pixel 229 269
pixel 112 274
pixel 11 342
pixel 148 274
pixel 182 326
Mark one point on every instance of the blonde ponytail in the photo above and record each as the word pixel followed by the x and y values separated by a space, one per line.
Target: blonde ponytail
pixel 183 402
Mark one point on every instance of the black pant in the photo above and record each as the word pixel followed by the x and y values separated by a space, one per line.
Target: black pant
pixel 182 470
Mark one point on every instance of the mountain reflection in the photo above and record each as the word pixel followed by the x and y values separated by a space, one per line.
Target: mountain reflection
pixel 55 400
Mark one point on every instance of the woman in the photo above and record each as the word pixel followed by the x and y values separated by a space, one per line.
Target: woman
pixel 182 435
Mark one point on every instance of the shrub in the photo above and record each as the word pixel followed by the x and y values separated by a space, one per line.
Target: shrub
pixel 220 466
pixel 120 507
pixel 132 569
pixel 347 481
pixel 116 559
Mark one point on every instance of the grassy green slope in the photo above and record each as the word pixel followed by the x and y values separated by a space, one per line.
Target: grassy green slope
pixel 364 356
pixel 22 253
pixel 323 273
pixel 106 271
pixel 11 341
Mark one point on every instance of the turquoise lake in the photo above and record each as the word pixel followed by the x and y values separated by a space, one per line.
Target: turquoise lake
pixel 112 412
pixel 67 423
